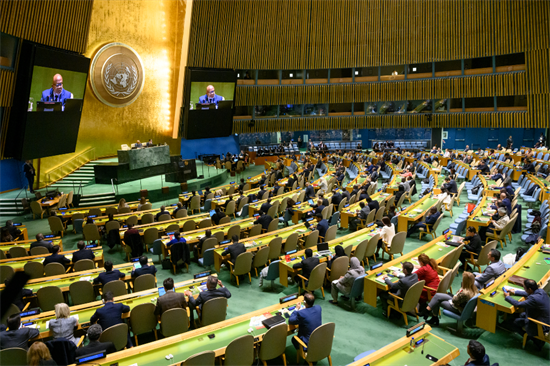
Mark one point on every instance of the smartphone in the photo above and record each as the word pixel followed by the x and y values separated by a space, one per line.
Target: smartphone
pixel 211 336
pixel 432 358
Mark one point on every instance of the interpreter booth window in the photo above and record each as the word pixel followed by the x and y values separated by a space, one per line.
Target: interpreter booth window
pixel 366 74
pixel 243 112
pixel 246 77
pixel 341 75
pixel 485 104
pixel 266 111
pixel 292 77
pixel 8 51
pixel 388 73
pixel 455 105
pixel 448 68
pixel 358 109
pixel 315 109
pixel 317 76
pixel 268 77
pixel 510 63
pixel 419 71
pixel 419 106
pixel 441 106
pixel 290 110
pixel 480 65
pixel 371 108
pixel 512 103
pixel 340 109
pixel 388 107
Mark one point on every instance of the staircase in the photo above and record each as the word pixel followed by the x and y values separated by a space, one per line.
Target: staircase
pixel 84 175
pixel 97 199
pixel 9 208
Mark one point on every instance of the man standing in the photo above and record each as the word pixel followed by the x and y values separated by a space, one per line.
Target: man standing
pixel 493 270
pixel 210 97
pixel 509 142
pixel 536 306
pixel 308 319
pixel 30 173
pixel 171 299
pixel 56 93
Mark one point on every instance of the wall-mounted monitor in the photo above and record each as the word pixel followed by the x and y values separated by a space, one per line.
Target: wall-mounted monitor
pixel 209 95
pixel 47 104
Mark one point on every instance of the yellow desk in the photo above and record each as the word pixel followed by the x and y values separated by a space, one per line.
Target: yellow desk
pixel 5 247
pixel 414 212
pixel 18 264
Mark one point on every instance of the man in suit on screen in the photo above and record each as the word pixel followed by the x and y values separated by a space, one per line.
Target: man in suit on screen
pixel 56 93
pixel 210 96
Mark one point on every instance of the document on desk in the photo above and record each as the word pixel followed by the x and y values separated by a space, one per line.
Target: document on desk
pixel 256 321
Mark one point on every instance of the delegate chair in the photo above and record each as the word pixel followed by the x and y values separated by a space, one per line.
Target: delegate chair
pixel 430 229
pixel 91 233
pixel 370 251
pixel 408 304
pixel 48 297
pixel 147 218
pixel 81 292
pixel 16 356
pixel 164 217
pixel 37 209
pixel 118 334
pixel 481 259
pixel 213 311
pixel 6 272
pixel 464 316
pixel 242 266
pixel 157 249
pixel 315 281
pixel 206 358
pixel 144 282
pixel 311 240
pixel 356 290
pixel 34 269
pixel 225 220
pixel 272 272
pixel 84 265
pixel 273 344
pixel 397 245
pixel 291 243
pixel 207 259
pixel 261 258
pixel 18 252
pixel 240 351
pixel 39 251
pixel 338 268
pixel 143 320
pixel 117 287
pixel 319 345
pixel 54 269
pixel 174 321
pixel 149 237
pixel 275 247
pixel 56 225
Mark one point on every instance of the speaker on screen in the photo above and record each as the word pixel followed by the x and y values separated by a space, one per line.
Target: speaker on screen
pixel 47 104
pixel 210 102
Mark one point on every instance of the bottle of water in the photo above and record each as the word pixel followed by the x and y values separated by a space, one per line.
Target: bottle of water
pixel 191 106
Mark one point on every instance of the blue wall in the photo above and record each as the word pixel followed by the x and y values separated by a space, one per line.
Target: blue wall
pixel 11 175
pixel 190 149
pixel 490 137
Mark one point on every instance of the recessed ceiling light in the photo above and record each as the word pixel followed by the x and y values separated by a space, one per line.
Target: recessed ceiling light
pixel 414 69
pixel 356 72
pixel 291 74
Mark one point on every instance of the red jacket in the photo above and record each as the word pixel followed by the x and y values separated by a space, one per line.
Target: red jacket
pixel 428 274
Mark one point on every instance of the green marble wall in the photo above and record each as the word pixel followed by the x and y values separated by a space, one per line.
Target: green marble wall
pixel 146 157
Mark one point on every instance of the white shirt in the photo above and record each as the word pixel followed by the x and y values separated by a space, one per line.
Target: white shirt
pixel 387 234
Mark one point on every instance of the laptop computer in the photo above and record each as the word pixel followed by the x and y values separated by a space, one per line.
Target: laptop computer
pixel 322 249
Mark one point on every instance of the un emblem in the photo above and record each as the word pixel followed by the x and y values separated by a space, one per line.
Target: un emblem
pixel 117 75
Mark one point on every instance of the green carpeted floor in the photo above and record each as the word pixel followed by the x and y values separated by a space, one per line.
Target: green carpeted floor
pixel 356 331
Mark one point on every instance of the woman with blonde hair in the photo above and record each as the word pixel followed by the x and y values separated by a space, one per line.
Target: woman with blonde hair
pixel 428 273
pixel 63 325
pixel 122 203
pixel 39 355
pixel 454 303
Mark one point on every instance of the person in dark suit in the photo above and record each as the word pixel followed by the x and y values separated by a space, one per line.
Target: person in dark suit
pixel 364 195
pixel 477 354
pixel 210 97
pixel 493 270
pixel 450 184
pixel 322 225
pixel 234 249
pixel 109 275
pixel 430 220
pixel 324 201
pixel 400 287
pixel 529 166
pixel 212 292
pixel 198 247
pixel 307 264
pixel 308 319
pixel 363 213
pixel 12 229
pixel 56 258
pixel 310 192
pixel 171 299
pixel 40 242
pixel 161 212
pixel 149 143
pixel 509 142
pixel 30 173
pixel 473 244
pixel 218 216
pixel 336 197
pixel 373 204
pixel 265 206
pixel 110 314
pixel 144 269
pixel 94 345
pixel 82 252
pixel 264 220
pixel 16 336
pixel 178 208
pixel 279 175
pixel 536 306
pixel 261 192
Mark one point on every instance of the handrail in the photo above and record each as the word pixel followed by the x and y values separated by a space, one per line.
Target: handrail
pixel 69 166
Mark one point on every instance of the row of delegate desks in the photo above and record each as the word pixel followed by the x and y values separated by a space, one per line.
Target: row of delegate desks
pixel 400 352
pixel 253 244
pixel 18 264
pixel 350 211
pixel 543 184
pixel 185 345
pixel 161 225
pixel 102 220
pixel 85 311
pixel 373 282
pixel 531 266
pixel 415 212
pixel 254 206
pixel 353 239
pixel 68 213
pixel 5 247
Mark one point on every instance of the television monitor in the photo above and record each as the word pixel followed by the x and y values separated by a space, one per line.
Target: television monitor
pixel 47 104
pixel 209 103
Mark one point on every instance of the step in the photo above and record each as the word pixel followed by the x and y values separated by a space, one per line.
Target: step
pixel 96 203
pixel 77 179
pixel 100 194
pixel 83 173
pixel 88 199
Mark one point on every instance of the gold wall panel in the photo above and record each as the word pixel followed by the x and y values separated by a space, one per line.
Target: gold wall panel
pixel 151 27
